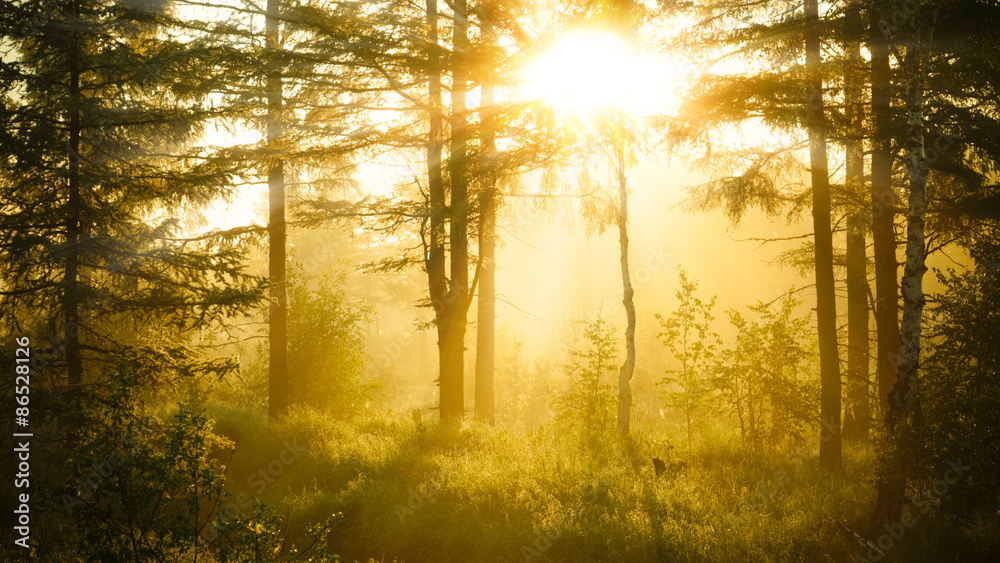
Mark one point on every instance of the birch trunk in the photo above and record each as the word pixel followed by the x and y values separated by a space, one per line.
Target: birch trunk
pixel 892 485
pixel 625 373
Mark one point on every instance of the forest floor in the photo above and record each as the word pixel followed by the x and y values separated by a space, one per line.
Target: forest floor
pixel 408 491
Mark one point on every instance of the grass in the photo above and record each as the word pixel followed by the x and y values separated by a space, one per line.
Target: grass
pixel 400 490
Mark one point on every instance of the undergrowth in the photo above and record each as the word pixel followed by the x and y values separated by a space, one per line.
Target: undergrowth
pixel 400 489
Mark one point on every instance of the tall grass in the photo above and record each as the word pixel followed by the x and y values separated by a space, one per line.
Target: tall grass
pixel 416 491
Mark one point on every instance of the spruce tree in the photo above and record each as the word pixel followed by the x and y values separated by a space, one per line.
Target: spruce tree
pixel 98 169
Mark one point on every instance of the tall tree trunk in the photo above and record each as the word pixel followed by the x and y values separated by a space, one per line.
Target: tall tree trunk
pixel 74 228
pixel 892 487
pixel 826 305
pixel 857 260
pixel 437 281
pixel 859 390
pixel 625 373
pixel 485 327
pixel 279 384
pixel 883 215
pixel 453 350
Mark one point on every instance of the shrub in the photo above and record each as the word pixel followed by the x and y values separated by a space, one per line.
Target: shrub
pixel 762 376
pixel 326 335
pixel 956 416
pixel 136 485
pixel 687 334
pixel 586 408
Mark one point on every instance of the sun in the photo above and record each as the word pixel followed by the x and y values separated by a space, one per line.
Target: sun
pixel 590 72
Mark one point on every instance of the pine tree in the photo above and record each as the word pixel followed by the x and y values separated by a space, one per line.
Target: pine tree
pixel 789 97
pixel 319 60
pixel 98 166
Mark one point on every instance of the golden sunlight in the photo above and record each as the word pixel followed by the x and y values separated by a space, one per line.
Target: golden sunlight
pixel 588 72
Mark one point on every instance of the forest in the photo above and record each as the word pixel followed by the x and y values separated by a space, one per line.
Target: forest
pixel 403 281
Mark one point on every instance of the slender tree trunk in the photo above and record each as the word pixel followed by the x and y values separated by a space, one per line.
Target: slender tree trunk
pixel 859 391
pixel 892 487
pixel 279 385
pixel 857 260
pixel 435 262
pixel 74 229
pixel 453 359
pixel 883 215
pixel 913 272
pixel 826 305
pixel 485 327
pixel 625 373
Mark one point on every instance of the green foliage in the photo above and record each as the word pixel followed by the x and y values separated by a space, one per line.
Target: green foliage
pixel 141 489
pixel 688 335
pixel 259 537
pixel 137 485
pixel 586 408
pixel 427 493
pixel 326 339
pixel 94 180
pixel 762 377
pixel 525 399
pixel 326 349
pixel 957 417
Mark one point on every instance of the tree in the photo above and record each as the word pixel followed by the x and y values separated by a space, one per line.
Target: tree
pixel 326 341
pixel 485 325
pixel 585 408
pixel 628 367
pixel 826 298
pixel 762 373
pixel 449 297
pixel 316 72
pixel 928 44
pixel 688 334
pixel 892 488
pixel 859 384
pixel 101 123
pixel 453 334
pixel 955 414
pixel 278 383
pixel 787 97
pixel 883 210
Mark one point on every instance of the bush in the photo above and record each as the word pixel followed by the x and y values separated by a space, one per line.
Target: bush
pixel 688 336
pixel 955 417
pixel 138 488
pixel 586 408
pixel 762 376
pixel 526 400
pixel 326 357
pixel 137 485
pixel 326 339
